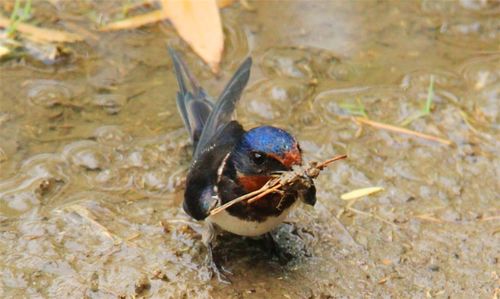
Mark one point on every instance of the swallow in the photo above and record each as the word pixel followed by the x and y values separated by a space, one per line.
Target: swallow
pixel 229 161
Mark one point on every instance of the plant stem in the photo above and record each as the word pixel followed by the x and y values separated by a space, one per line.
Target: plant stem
pixel 430 97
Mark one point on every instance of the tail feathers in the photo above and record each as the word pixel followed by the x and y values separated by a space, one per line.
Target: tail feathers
pixel 193 104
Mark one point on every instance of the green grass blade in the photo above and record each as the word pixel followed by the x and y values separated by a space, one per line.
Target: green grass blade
pixel 26 11
pixel 427 108
pixel 430 97
pixel 13 18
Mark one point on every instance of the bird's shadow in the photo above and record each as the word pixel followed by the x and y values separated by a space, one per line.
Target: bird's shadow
pixel 287 245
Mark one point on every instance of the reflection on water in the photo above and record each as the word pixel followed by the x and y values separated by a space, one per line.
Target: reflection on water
pixel 93 155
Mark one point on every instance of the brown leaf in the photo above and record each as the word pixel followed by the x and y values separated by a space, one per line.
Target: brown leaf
pixel 199 24
pixel 148 18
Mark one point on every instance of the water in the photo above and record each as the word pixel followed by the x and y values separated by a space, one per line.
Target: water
pixel 93 155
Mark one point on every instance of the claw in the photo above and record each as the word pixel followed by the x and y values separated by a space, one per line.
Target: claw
pixel 228 272
pixel 221 277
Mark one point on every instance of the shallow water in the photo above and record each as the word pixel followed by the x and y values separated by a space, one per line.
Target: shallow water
pixel 93 154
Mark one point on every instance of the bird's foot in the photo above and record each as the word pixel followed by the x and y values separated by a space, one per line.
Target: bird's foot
pixel 208 237
pixel 219 271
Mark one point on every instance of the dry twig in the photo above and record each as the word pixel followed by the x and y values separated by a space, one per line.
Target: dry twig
pixel 276 184
pixel 373 216
pixel 41 34
pixel 392 128
pixel 135 22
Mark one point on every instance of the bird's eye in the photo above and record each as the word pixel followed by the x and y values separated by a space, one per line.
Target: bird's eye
pixel 258 158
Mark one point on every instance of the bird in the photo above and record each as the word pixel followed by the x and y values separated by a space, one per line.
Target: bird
pixel 229 161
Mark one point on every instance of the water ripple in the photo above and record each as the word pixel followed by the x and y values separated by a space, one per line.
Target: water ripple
pixel 273 99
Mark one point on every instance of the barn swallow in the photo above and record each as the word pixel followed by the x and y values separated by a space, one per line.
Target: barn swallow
pixel 229 161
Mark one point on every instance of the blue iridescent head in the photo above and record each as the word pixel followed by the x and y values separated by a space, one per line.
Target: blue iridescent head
pixel 264 150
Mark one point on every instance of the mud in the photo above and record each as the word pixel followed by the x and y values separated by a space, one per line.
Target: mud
pixel 93 155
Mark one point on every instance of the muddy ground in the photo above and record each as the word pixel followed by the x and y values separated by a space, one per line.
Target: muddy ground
pixel 93 154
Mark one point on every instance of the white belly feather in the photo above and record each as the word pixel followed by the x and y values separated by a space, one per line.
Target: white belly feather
pixel 247 228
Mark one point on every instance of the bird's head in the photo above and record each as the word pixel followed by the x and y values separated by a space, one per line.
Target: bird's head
pixel 263 151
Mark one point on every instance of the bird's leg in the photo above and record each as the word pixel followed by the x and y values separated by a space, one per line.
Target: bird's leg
pixel 208 237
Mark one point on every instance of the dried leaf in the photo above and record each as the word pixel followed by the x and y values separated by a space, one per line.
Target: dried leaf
pixel 224 3
pixel 135 21
pixel 148 18
pixel 360 192
pixel 41 34
pixel 199 24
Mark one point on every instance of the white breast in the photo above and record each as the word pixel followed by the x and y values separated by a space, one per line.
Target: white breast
pixel 244 227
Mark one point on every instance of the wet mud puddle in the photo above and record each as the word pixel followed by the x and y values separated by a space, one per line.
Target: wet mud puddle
pixel 93 154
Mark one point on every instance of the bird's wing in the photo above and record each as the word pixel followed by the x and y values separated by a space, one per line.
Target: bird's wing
pixel 224 108
pixel 200 197
pixel 194 105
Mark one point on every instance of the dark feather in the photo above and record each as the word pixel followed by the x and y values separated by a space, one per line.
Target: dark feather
pixel 197 119
pixel 194 106
pixel 213 133
pixel 203 173
pixel 223 110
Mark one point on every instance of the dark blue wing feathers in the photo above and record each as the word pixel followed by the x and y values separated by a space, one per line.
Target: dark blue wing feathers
pixel 202 119
pixel 193 105
pixel 213 133
pixel 197 118
pixel 224 108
